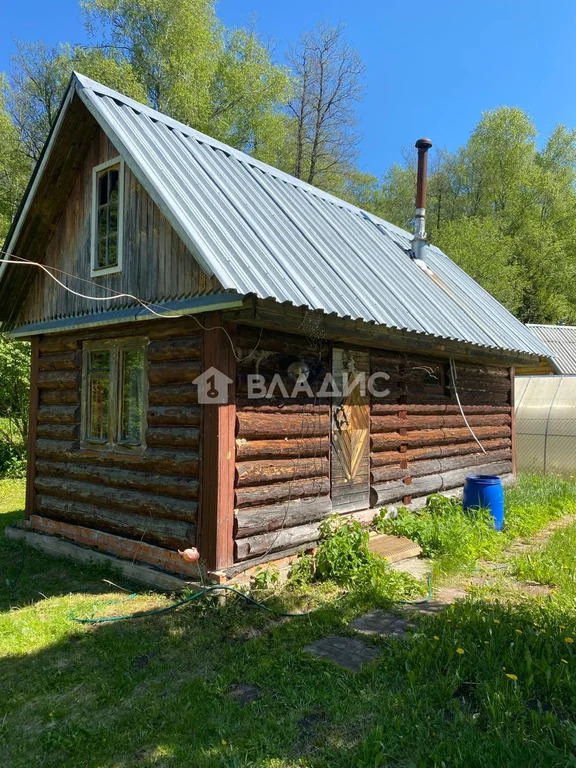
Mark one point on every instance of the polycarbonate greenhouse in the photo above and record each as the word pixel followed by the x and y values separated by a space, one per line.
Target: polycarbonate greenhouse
pixel 546 424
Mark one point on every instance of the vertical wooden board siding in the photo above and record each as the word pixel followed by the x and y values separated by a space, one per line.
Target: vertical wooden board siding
pixel 218 458
pixel 150 495
pixel 157 265
pixel 32 426
pixel 350 440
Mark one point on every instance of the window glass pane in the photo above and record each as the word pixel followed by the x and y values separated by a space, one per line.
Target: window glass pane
pixel 132 396
pixel 102 222
pixel 107 223
pixel 98 406
pixel 100 360
pixel 113 186
pixel 113 251
pixel 102 253
pixel 113 225
pixel 432 377
pixel 103 189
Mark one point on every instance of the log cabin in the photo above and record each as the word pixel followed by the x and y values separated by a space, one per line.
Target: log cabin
pixel 194 315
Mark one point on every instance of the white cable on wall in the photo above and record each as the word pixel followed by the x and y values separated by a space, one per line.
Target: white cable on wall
pixel 453 375
pixel 147 305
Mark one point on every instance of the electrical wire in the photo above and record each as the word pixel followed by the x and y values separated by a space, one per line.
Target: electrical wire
pixel 454 376
pixel 15 260
pixel 147 305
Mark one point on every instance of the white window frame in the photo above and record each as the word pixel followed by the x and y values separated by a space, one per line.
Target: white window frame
pixel 113 443
pixel 95 271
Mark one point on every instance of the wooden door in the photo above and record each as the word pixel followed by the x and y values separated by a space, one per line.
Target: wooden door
pixel 350 454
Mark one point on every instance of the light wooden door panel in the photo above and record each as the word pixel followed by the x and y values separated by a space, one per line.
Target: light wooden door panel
pixel 350 453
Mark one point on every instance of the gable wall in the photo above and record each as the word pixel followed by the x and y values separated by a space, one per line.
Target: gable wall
pixel 157 265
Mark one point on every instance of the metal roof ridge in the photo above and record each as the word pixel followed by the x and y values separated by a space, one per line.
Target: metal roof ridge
pixel 551 325
pixel 154 114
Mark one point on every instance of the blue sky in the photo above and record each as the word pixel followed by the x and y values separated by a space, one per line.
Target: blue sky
pixel 432 74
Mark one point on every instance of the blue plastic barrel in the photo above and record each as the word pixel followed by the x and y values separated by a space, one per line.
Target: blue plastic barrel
pixel 485 492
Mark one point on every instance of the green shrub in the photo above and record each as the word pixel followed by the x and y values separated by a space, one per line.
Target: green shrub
pixel 14 387
pixel 343 557
pixel 12 462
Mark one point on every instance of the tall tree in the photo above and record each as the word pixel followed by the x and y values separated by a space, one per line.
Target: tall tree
pixel 219 81
pixel 329 86
pixel 14 167
pixel 34 92
pixel 248 95
pixel 38 80
pixel 504 211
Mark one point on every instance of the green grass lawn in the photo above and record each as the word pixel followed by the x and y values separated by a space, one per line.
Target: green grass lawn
pixel 484 684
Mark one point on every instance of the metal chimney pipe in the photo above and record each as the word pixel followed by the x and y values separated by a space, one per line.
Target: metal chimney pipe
pixel 419 241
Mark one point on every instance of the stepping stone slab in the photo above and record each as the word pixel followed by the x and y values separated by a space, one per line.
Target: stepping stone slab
pixel 348 652
pixel 382 624
pixel 445 597
pixel 415 566
pixel 393 548
pixel 432 608
pixel 244 693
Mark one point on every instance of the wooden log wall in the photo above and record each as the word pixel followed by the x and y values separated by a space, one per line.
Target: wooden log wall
pixel 419 442
pixel 282 445
pixel 149 496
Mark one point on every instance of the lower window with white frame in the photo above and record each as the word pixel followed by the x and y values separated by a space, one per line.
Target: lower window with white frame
pixel 114 394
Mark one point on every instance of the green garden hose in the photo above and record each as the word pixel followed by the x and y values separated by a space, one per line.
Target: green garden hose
pixel 222 588
pixel 185 601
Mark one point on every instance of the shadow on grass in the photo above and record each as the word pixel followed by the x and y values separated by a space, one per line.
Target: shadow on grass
pixel 28 576
pixel 480 685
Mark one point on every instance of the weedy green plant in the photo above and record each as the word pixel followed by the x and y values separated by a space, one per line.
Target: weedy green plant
pixel 343 557
pixel 500 675
pixel 302 571
pixel 445 532
pixel 265 578
pixel 535 501
pixel 554 563
pixel 455 538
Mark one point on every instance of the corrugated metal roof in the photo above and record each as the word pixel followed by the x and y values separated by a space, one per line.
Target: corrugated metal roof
pixel 561 340
pixel 260 231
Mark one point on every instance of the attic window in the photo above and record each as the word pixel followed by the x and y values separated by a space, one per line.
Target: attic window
pixel 107 217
